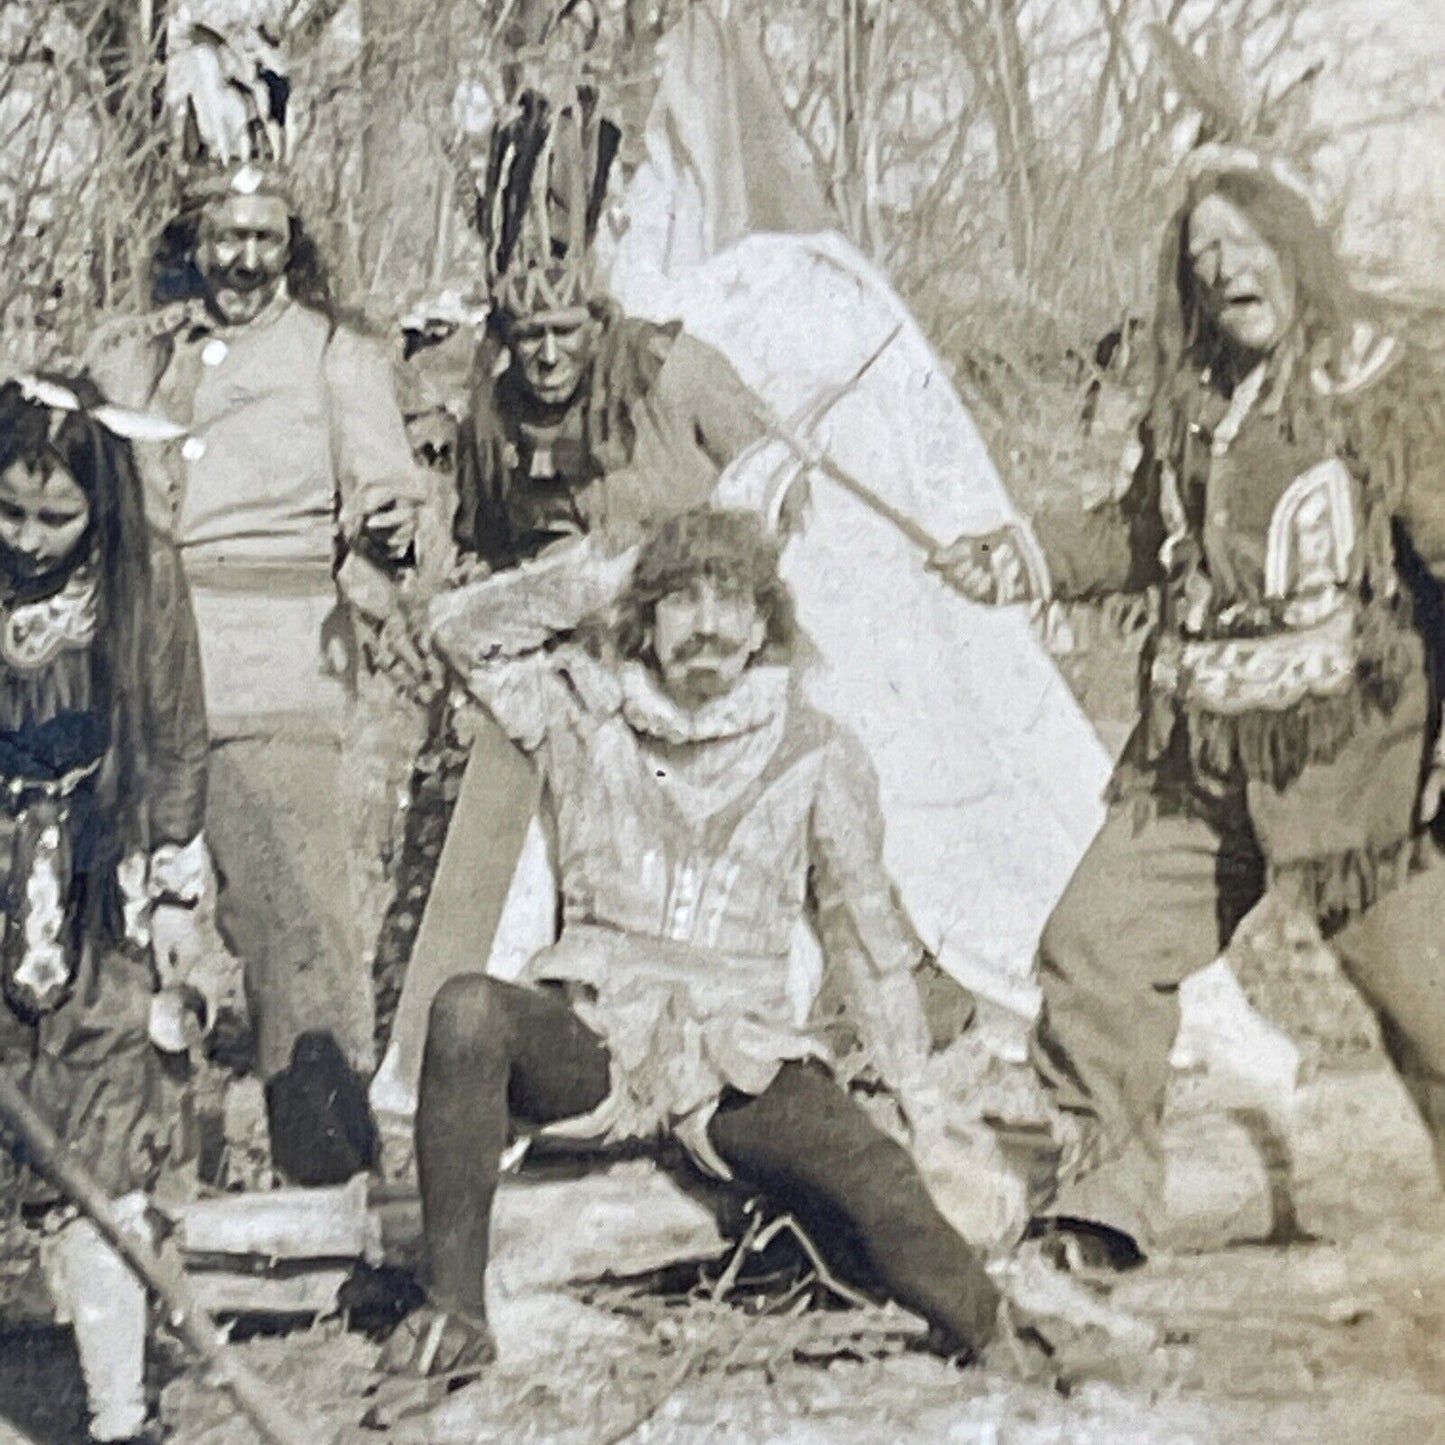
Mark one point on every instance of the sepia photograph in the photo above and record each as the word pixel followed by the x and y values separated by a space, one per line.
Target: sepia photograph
pixel 722 722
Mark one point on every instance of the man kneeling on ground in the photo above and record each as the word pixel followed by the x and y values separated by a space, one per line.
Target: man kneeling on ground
pixel 701 810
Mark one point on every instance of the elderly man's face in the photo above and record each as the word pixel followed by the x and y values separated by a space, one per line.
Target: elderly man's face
pixel 242 252
pixel 704 636
pixel 553 351
pixel 1242 279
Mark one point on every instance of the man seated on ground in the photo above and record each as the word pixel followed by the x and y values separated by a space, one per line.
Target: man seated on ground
pixel 702 811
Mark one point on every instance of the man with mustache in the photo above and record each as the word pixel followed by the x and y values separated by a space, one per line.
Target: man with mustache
pixel 295 483
pixel 581 421
pixel 703 811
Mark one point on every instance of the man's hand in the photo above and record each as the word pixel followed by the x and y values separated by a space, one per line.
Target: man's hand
pixel 964 565
pixel 402 647
pixel 988 568
pixel 392 527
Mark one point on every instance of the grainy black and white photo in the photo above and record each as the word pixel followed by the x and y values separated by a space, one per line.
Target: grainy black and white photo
pixel 721 721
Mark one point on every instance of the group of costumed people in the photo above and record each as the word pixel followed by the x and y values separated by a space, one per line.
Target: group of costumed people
pixel 216 554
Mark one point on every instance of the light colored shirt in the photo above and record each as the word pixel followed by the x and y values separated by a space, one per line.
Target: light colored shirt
pixel 294 430
pixel 294 438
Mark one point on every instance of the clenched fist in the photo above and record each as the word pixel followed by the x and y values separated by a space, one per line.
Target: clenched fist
pixel 988 568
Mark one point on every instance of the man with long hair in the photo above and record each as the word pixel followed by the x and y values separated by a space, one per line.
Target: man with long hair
pixel 294 484
pixel 703 811
pixel 1287 513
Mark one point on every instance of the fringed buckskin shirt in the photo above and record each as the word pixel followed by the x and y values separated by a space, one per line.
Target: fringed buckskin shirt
pixel 1283 527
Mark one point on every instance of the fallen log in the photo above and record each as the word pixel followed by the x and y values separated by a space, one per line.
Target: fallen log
pixel 282 1224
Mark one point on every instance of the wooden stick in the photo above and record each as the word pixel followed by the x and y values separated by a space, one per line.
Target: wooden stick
pixel 52 1158
pixel 804 422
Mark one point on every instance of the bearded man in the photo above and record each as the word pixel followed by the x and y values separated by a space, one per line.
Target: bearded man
pixel 703 813
pixel 580 422
pixel 295 476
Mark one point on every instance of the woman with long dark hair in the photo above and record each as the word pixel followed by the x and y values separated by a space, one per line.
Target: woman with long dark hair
pixel 102 794
pixel 1291 523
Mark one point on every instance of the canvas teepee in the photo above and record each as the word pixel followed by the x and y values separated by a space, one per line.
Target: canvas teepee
pixel 991 775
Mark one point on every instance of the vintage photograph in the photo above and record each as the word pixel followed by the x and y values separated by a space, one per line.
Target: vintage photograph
pixel 721 721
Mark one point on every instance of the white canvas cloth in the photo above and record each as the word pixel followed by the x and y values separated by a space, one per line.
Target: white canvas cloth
pixel 991 775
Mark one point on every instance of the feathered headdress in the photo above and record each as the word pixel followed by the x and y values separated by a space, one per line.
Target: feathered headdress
pixel 1240 132
pixel 539 206
pixel 230 100
pixel 549 46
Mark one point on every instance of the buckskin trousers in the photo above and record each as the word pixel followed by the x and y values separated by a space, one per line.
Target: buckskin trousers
pixel 1152 902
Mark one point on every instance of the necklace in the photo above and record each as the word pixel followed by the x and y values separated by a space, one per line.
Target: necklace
pixel 32 634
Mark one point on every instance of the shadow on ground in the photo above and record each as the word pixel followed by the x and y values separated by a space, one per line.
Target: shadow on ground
pixel 41 1394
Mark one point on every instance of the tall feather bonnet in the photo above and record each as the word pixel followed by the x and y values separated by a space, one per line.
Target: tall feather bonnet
pixel 546 182
pixel 229 98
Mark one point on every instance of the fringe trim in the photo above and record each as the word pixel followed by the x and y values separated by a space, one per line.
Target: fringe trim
pixel 1275 747
pixel 1335 888
pixel 1341 886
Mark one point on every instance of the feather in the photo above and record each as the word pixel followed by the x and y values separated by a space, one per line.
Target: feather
pixel 1211 86
pixel 137 426
pixel 118 420
pixel 48 393
pixel 1285 117
pixel 233 100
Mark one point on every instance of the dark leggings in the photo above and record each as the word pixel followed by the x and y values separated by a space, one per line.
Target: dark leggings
pixel 497 1052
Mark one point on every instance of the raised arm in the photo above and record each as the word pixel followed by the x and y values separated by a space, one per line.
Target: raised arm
pixel 1067 553
pixel 500 635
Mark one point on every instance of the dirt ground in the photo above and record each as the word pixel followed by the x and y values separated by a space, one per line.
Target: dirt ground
pixel 1338 1338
